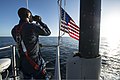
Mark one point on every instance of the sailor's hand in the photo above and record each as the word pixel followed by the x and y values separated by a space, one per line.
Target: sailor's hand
pixel 36 18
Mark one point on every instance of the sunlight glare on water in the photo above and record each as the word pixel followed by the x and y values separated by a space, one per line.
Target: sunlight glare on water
pixel 110 45
pixel 110 28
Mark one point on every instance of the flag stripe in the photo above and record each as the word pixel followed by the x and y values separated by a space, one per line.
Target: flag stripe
pixel 73 30
pixel 70 32
pixel 64 26
pixel 73 25
pixel 64 30
pixel 77 38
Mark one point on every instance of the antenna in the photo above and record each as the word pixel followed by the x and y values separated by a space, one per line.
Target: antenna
pixel 27 3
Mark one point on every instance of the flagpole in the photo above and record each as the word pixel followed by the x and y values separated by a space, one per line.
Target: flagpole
pixel 57 64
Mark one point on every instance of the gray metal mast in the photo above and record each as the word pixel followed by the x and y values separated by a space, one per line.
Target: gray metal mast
pixel 90 12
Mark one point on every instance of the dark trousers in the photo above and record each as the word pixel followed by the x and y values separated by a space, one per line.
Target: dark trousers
pixel 29 72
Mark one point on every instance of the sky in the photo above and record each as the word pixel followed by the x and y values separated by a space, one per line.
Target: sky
pixel 49 11
pixel 110 21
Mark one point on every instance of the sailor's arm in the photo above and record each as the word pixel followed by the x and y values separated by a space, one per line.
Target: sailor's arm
pixel 41 28
pixel 44 29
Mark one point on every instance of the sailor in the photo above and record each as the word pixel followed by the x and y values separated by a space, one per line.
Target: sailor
pixel 26 35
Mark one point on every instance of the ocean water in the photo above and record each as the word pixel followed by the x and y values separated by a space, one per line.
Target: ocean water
pixel 110 69
pixel 110 51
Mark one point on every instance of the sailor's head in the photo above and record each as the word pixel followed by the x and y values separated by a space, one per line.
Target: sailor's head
pixel 25 14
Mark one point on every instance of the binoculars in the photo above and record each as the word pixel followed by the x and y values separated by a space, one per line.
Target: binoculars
pixel 36 18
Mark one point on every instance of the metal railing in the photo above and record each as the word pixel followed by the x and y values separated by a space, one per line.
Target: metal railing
pixel 13 59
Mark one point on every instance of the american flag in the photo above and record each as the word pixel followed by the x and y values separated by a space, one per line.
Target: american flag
pixel 68 25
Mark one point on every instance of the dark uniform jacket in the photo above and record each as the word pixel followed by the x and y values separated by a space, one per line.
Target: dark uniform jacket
pixel 29 33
